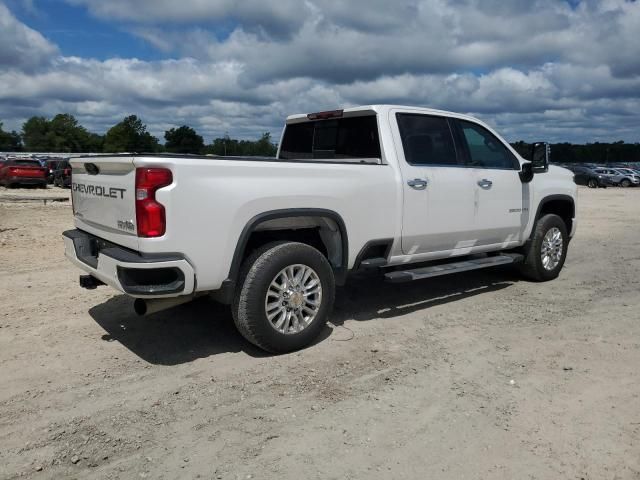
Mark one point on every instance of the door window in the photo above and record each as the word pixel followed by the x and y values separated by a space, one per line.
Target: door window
pixel 426 140
pixel 484 148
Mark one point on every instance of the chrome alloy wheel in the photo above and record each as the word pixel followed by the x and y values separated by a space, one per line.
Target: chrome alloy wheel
pixel 293 299
pixel 551 251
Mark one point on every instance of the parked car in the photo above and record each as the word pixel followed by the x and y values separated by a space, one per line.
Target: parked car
pixel 618 178
pixel 51 165
pixel 62 174
pixel 629 171
pixel 23 172
pixel 588 177
pixel 411 193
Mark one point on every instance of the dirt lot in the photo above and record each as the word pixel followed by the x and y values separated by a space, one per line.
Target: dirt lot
pixel 479 375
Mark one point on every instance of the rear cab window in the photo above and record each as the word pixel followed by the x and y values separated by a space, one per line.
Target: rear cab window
pixel 427 140
pixel 338 138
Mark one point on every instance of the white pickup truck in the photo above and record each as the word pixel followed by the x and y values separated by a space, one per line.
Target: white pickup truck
pixel 410 192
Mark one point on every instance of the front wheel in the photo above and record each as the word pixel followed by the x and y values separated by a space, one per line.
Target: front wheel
pixel 284 297
pixel 625 183
pixel 546 250
pixel 592 183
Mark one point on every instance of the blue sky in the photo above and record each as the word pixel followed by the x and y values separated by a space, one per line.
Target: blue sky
pixel 77 33
pixel 544 69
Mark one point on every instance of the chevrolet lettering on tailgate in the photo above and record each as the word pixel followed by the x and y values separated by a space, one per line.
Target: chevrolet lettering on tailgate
pixel 98 190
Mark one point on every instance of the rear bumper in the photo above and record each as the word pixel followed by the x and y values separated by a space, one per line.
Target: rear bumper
pixel 26 181
pixel 137 275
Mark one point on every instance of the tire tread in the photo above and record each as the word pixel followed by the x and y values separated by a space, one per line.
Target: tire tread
pixel 248 281
pixel 531 268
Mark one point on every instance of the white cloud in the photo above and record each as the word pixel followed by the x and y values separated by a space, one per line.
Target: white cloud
pixel 272 18
pixel 20 46
pixel 532 68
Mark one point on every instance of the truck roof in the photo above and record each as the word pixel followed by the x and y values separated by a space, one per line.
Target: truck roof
pixel 381 109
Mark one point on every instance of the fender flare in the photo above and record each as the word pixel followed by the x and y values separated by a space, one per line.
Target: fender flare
pixel 551 198
pixel 228 286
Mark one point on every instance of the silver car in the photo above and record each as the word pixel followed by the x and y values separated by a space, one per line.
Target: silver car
pixel 618 177
pixel 629 171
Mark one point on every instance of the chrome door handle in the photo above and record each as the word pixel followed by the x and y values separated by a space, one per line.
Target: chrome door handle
pixel 417 183
pixel 484 183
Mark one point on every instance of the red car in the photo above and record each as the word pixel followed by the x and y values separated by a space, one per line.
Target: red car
pixel 22 172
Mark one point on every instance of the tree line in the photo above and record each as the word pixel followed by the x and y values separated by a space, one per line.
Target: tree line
pixel 598 153
pixel 64 134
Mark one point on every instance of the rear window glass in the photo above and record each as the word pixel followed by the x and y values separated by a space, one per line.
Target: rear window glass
pixel 26 163
pixel 426 140
pixel 354 137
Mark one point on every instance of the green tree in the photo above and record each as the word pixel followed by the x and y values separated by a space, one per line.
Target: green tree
pixel 9 141
pixel 67 135
pixel 95 142
pixel 130 135
pixel 265 147
pixel 34 134
pixel 62 133
pixel 232 147
pixel 183 140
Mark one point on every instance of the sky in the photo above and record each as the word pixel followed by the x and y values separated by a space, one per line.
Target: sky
pixel 554 70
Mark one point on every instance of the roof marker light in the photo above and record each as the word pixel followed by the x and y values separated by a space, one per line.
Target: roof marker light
pixel 325 115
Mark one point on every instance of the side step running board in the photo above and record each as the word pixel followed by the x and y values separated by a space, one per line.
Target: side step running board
pixel 373 263
pixel 453 267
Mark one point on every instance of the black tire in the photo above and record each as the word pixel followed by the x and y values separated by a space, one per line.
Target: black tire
pixel 257 273
pixel 592 183
pixel 625 183
pixel 532 266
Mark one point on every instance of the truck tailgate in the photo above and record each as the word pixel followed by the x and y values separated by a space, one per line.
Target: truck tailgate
pixel 103 195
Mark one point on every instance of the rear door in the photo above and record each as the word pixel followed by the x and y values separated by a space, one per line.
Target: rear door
pixel 103 195
pixel 500 197
pixel 438 191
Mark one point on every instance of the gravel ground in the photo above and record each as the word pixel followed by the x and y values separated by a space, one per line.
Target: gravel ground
pixel 33 194
pixel 478 375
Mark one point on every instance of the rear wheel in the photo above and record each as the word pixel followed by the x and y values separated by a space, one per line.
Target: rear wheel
pixel 592 183
pixel 547 249
pixel 284 297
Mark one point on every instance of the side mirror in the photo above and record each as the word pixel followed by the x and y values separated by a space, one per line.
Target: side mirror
pixel 540 152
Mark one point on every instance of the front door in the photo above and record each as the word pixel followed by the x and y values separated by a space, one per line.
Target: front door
pixel 501 198
pixel 438 191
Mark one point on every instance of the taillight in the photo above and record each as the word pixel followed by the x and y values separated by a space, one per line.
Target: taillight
pixel 150 216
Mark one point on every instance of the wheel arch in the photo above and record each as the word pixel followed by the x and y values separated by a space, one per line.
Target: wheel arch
pixel 562 205
pixel 337 249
